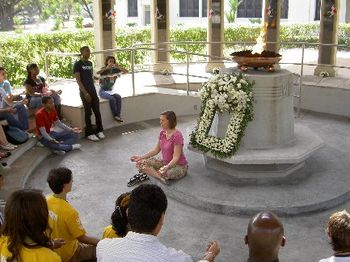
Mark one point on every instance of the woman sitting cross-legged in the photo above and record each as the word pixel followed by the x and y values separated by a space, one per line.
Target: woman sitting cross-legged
pixel 24 235
pixel 120 224
pixel 170 143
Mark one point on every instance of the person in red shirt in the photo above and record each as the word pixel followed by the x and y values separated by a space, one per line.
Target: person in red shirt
pixel 58 141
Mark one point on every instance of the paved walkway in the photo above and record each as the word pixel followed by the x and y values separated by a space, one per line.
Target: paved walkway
pixel 102 169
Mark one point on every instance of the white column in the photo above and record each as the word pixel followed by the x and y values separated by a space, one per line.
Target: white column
pixel 328 35
pixel 104 28
pixel 272 17
pixel 215 33
pixel 160 32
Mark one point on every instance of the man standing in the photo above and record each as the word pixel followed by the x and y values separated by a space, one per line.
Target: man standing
pixel 60 142
pixel 265 237
pixel 83 72
pixel 64 220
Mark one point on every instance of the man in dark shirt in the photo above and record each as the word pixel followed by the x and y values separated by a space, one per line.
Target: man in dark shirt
pixel 83 72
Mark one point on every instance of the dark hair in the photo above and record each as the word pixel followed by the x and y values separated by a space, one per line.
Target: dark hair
pixel 30 67
pixel 26 215
pixel 338 228
pixel 119 217
pixel 58 177
pixel 109 57
pixel 83 48
pixel 46 99
pixel 171 117
pixel 2 68
pixel 147 204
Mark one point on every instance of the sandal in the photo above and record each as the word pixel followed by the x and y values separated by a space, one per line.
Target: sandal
pixel 137 179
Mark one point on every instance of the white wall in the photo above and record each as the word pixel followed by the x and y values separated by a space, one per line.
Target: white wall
pixel 300 11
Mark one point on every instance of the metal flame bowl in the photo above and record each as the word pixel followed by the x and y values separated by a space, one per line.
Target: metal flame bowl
pixel 246 59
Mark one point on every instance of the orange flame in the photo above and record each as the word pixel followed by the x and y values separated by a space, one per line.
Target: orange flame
pixel 260 41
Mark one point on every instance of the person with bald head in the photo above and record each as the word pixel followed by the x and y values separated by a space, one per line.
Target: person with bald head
pixel 265 236
pixel 338 230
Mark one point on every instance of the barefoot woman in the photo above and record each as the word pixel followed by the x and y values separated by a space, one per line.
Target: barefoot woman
pixel 170 143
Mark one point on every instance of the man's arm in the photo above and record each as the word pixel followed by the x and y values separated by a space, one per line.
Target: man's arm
pixel 81 87
pixel 88 240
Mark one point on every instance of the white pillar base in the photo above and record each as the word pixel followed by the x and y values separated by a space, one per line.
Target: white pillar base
pixel 160 67
pixel 212 65
pixel 326 69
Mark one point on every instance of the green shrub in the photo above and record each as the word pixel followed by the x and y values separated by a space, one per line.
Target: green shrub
pixel 18 51
pixel 78 21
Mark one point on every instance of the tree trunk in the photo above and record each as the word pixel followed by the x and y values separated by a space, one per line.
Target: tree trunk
pixel 6 17
pixel 87 9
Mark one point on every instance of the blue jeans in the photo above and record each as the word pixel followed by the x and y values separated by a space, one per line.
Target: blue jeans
pixel 68 138
pixel 115 101
pixel 35 101
pixel 22 122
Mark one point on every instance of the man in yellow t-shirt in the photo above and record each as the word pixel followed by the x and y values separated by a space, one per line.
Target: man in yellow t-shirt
pixel 65 222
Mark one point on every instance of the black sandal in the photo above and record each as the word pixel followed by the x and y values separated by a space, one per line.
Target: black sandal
pixel 137 179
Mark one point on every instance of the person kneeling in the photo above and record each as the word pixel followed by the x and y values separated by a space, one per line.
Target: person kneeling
pixel 59 142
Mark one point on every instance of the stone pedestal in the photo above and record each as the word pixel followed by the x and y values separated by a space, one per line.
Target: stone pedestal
pixel 272 147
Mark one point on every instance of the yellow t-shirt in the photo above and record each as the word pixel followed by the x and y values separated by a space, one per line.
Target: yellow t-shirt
pixel 65 223
pixel 109 232
pixel 37 254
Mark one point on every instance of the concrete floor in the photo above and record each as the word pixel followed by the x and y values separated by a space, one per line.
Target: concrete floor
pixel 101 171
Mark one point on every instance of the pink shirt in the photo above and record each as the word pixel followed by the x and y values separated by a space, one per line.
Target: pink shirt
pixel 167 147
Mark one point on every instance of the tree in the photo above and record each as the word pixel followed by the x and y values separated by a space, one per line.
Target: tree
pixel 86 6
pixel 7 11
pixel 231 13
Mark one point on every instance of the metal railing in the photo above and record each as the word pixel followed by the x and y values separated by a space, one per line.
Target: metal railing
pixel 149 47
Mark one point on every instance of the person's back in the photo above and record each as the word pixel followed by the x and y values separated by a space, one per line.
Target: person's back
pixel 24 235
pixel 35 254
pixel 65 223
pixel 265 236
pixel 146 211
pixel 338 230
pixel 64 220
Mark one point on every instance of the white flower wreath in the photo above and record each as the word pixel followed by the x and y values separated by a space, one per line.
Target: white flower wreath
pixel 223 93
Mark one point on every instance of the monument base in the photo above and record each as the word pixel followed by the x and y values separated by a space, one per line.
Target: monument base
pixel 268 165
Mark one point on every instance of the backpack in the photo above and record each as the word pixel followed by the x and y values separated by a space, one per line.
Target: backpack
pixel 15 135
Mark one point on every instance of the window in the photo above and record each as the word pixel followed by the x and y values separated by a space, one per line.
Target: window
pixel 189 8
pixel 284 9
pixel 250 8
pixel 317 10
pixel 132 8
pixel 204 8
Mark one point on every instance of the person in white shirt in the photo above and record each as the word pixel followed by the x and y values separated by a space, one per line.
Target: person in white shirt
pixel 146 212
pixel 338 230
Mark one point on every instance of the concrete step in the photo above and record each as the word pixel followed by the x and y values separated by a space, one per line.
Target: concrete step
pixel 22 167
pixel 22 149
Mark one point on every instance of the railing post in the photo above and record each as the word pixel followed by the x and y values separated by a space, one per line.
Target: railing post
pixel 301 77
pixel 133 70
pixel 188 74
pixel 47 67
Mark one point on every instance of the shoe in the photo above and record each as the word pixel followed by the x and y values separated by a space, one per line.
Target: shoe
pixel 76 146
pixel 100 135
pixel 93 138
pixel 137 179
pixel 59 152
pixel 8 147
pixel 118 119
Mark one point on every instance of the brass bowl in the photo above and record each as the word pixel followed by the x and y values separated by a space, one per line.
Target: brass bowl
pixel 246 59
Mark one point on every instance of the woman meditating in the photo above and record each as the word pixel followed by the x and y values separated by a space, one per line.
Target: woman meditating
pixel 170 143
